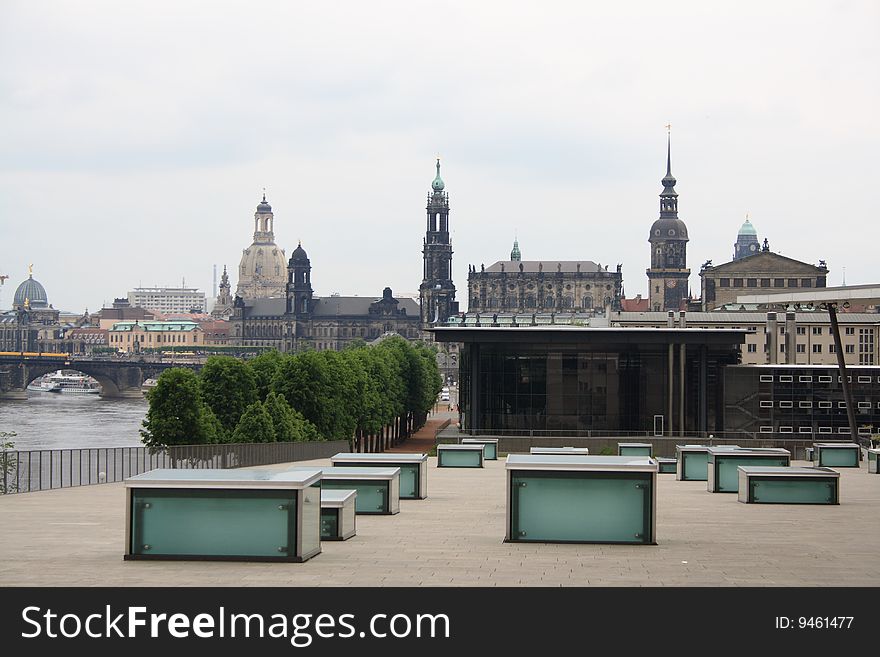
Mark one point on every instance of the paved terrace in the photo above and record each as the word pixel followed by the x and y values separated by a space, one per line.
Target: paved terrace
pixel 75 537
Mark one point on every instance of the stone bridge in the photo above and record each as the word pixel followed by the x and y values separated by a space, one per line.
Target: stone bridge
pixel 118 378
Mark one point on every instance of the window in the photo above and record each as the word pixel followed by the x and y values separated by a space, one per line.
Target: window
pixel 825 404
pixel 805 429
pixel 864 379
pixel 786 404
pixel 786 378
pixel 832 348
pixel 786 430
pixel 801 348
pixel 792 282
pixel 723 282
pixel 817 330
pixel 841 404
pixel 778 282
pixel 766 378
pixel 805 379
pixel 825 429
pixel 801 330
pixel 752 282
pixel 864 404
pixel 806 282
pixel 765 282
pixel 766 429
pixel 766 404
pixel 817 349
pixel 752 348
pixel 805 404
pixel 850 330
pixel 842 429
pixel 848 379
pixel 850 349
pixel 737 282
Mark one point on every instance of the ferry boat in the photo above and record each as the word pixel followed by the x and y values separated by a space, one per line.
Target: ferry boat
pixel 66 382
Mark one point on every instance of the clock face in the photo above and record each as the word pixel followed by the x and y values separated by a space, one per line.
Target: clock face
pixel 670 283
pixel 753 247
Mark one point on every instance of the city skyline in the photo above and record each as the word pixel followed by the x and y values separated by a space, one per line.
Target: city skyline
pixel 145 167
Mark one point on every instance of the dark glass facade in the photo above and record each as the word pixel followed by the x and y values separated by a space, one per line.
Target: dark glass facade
pixel 592 384
pixel 800 401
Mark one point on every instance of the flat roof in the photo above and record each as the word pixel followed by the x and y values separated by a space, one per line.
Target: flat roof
pixel 74 537
pixel 595 335
pixel 853 293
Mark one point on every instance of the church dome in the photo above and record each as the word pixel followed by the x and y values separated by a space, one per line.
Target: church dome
pixel 263 206
pixel 668 228
pixel 747 229
pixel 32 291
pixel 299 254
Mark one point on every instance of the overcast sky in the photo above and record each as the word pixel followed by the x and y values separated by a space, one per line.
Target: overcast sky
pixel 136 137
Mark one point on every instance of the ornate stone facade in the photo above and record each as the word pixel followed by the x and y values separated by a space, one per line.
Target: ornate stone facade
pixel 530 286
pixel 763 272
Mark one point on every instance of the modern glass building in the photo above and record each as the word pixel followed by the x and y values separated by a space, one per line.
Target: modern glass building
pixel 550 379
pixel 800 401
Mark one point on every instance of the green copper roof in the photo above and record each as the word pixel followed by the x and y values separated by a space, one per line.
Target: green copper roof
pixel 747 229
pixel 438 183
pixel 515 254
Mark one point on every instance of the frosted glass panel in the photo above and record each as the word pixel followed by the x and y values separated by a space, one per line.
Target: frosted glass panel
pixel 634 451
pixel 840 457
pixel 372 496
pixel 409 480
pixel 460 458
pixel 329 523
pixel 793 491
pixel 727 480
pixel 221 523
pixel 580 509
pixel 695 466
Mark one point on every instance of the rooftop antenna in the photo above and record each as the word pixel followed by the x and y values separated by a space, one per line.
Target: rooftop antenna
pixel 215 280
pixel 844 276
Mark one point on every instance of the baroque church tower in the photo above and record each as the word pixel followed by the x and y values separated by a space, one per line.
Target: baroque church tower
pixel 437 292
pixel 223 305
pixel 262 272
pixel 668 276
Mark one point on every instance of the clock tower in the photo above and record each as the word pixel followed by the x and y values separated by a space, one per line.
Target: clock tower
pixel 668 275
pixel 746 241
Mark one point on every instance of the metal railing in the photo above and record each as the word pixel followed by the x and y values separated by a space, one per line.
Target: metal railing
pixel 23 471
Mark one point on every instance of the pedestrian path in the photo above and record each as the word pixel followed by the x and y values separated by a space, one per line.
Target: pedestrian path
pixel 422 441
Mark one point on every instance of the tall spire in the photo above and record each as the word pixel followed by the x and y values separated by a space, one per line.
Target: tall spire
pixel 515 255
pixel 669 197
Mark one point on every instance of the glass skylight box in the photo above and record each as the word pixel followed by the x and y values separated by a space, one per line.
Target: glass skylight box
pixel 723 464
pixel 771 485
pixel 413 469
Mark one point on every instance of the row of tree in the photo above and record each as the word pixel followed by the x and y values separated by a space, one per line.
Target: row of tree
pixel 370 395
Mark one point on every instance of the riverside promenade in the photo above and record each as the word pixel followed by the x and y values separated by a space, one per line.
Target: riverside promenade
pixel 75 537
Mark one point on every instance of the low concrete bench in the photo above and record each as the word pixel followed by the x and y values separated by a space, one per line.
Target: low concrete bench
pixel 635 449
pixel 723 464
pixel 581 499
pixel 561 451
pixel 460 456
pixel 770 485
pixel 491 451
pixel 666 466
pixel 873 458
pixel 378 489
pixel 413 469
pixel 242 514
pixel 837 455
pixel 337 514
pixel 693 460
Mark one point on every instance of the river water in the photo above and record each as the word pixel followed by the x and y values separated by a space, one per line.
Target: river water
pixel 60 421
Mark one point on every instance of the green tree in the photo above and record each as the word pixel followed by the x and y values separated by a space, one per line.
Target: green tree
pixel 255 426
pixel 283 418
pixel 229 386
pixel 177 414
pixel 8 479
pixel 264 368
pixel 316 383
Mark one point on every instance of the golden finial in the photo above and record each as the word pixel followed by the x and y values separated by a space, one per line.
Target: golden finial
pixel 31 269
pixel 747 216
pixel 668 127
